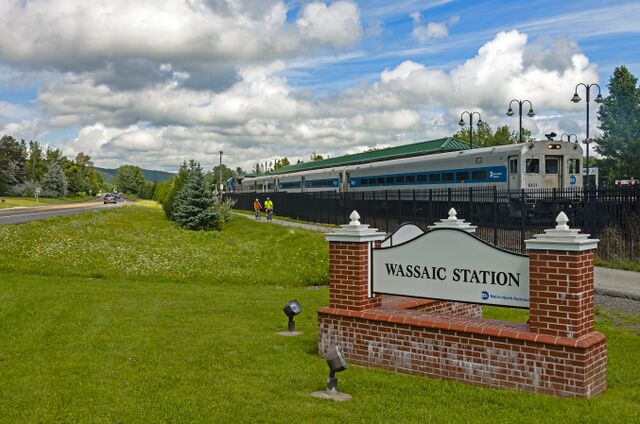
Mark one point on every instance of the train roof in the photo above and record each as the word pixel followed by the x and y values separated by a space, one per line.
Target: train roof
pixel 441 145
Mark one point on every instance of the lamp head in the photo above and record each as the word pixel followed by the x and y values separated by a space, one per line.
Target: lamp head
pixel 510 112
pixel 531 113
pixel 292 308
pixel 461 122
pixel 575 98
pixel 335 361
pixel 599 98
pixel 480 121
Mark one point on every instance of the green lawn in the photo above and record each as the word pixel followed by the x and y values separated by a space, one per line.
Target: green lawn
pixel 12 202
pixel 118 316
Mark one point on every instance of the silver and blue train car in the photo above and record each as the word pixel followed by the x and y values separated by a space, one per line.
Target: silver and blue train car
pixel 537 164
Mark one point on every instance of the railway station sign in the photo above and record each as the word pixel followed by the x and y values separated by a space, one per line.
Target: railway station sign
pixel 451 264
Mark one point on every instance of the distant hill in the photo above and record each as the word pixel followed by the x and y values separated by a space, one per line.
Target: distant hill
pixel 109 175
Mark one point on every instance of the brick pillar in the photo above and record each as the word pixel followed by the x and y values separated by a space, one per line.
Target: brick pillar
pixel 561 281
pixel 349 250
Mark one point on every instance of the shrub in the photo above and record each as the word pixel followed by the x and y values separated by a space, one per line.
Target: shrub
pixel 194 207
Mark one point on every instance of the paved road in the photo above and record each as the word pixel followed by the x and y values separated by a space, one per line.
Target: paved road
pixel 23 215
pixel 608 282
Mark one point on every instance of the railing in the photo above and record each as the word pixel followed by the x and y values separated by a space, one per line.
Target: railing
pixel 504 218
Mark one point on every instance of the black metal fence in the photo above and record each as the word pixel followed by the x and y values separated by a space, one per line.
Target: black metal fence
pixel 504 218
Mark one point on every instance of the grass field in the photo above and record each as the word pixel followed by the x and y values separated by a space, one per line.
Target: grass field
pixel 119 316
pixel 12 202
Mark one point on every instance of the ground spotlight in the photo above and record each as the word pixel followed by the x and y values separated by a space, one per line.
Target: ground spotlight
pixel 291 309
pixel 336 362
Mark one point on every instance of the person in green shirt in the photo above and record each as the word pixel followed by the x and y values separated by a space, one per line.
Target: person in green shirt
pixel 268 207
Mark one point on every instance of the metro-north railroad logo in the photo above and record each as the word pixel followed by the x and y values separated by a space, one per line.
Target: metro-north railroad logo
pixel 485 295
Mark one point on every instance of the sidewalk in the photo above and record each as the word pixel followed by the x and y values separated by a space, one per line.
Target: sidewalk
pixel 609 282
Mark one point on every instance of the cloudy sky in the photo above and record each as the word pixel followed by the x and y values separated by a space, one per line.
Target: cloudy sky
pixel 155 82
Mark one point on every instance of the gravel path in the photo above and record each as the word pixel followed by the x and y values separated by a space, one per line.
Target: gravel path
pixel 622 304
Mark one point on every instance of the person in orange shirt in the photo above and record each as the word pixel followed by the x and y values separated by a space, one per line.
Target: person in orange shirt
pixel 256 207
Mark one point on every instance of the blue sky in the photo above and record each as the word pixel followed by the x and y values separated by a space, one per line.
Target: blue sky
pixel 155 84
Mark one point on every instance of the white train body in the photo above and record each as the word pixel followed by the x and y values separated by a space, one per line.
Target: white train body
pixel 538 164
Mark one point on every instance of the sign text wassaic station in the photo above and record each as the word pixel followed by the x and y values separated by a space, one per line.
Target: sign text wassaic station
pixel 453 265
pixel 461 275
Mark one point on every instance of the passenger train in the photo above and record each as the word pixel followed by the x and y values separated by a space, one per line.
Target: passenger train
pixel 536 164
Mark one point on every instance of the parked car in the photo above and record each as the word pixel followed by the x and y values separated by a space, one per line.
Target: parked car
pixel 109 198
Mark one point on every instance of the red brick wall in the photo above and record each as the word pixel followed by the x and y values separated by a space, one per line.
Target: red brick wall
pixel 561 292
pixel 433 306
pixel 508 358
pixel 348 277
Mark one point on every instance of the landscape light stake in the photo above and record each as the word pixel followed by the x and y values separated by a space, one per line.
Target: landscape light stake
pixel 291 309
pixel 336 362
pixel 598 99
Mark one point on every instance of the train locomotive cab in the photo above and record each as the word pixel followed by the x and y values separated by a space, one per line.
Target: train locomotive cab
pixel 549 165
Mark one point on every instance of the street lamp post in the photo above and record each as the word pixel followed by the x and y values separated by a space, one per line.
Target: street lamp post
pixel 598 99
pixel 220 174
pixel 461 123
pixel 568 137
pixel 530 114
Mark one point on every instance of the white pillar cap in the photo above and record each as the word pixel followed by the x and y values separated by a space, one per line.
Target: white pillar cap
pixel 356 232
pixel 562 238
pixel 453 222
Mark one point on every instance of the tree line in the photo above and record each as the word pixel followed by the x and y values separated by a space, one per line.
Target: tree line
pixel 27 169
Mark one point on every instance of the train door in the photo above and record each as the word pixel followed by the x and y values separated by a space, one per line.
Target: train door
pixel 514 173
pixel 344 180
pixel 552 171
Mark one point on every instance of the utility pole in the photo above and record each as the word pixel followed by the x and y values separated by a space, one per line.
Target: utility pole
pixel 220 174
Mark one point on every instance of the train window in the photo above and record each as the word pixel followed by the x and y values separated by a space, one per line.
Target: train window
pixel 533 166
pixel 551 166
pixel 574 166
pixel 479 175
pixel 422 178
pixel 400 180
pixel 411 179
pixel 462 176
pixel 364 181
pixel 447 176
pixel 513 166
pixel 389 180
pixel 434 178
pixel 380 180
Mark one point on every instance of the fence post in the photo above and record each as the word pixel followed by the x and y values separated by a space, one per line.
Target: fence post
pixel 430 205
pixel 495 216
pixel 386 211
pixel 523 214
pixel 414 205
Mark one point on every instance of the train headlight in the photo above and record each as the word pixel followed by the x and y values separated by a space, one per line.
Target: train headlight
pixel 554 146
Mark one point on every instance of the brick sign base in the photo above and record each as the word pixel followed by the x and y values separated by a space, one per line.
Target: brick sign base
pixel 472 350
pixel 556 353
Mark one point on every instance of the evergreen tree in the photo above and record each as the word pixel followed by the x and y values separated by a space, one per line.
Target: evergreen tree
pixel 619 118
pixel 194 206
pixel 13 156
pixel 168 190
pixel 54 182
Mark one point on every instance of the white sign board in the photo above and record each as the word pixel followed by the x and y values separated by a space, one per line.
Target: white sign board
pixel 451 264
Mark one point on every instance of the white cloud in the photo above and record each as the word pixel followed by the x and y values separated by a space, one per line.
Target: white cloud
pixel 337 24
pixel 432 30
pixel 260 116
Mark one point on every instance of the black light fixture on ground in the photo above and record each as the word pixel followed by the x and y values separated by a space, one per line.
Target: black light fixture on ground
pixel 569 137
pixel 291 309
pixel 461 123
pixel 576 99
pixel 337 363
pixel 530 114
